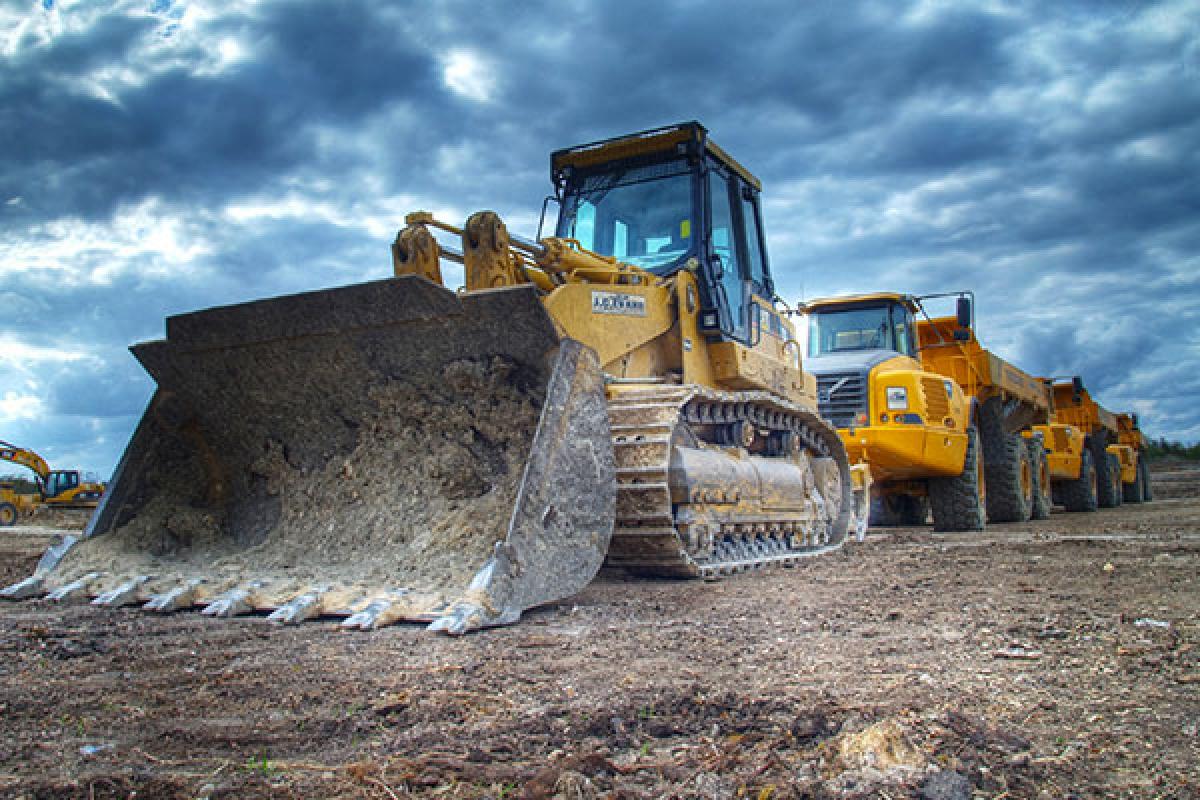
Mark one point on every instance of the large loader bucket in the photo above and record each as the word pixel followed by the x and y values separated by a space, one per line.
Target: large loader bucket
pixel 385 451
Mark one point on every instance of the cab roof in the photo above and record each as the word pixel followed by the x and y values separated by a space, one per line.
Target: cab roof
pixel 870 299
pixel 691 135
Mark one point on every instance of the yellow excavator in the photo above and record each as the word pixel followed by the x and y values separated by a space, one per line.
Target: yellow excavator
pixel 625 391
pixel 56 488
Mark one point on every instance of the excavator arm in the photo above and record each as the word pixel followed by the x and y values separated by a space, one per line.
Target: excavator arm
pixel 26 458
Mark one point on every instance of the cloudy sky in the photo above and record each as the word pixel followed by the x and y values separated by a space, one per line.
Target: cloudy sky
pixel 161 156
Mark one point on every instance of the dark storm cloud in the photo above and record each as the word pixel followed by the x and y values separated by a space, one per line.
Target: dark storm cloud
pixel 185 136
pixel 1043 155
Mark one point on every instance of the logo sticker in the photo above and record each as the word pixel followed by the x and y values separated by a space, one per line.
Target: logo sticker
pixel 631 305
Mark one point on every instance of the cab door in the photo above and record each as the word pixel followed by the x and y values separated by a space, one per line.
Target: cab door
pixel 725 255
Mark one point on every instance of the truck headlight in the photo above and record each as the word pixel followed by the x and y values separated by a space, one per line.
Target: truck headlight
pixel 897 398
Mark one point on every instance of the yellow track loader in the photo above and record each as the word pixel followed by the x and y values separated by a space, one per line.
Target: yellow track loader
pixel 624 390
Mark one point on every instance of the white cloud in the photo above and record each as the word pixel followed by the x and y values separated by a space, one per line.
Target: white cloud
pixel 15 406
pixel 469 75
pixel 147 238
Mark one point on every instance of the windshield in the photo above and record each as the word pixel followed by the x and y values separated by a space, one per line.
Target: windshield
pixel 851 329
pixel 640 215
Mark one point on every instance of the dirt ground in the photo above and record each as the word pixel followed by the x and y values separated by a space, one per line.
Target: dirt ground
pixel 1052 659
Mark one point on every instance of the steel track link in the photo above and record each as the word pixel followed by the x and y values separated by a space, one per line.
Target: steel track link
pixel 649 538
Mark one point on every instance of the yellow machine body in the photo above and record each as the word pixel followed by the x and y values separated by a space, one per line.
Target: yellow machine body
pixel 923 437
pixel 398 450
pixel 908 424
pixel 14 504
pixel 1064 449
pixel 954 351
pixel 57 488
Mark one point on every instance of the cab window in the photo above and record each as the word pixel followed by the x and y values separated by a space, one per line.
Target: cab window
pixel 724 248
pixel 755 267
pixel 902 328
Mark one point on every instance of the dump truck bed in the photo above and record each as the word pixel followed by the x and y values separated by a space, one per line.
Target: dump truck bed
pixel 981 373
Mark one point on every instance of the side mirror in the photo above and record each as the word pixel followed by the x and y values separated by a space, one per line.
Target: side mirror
pixel 963 312
pixel 1077 384
pixel 718 266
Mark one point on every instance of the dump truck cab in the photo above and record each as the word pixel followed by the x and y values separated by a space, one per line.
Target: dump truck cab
pixel 1075 407
pixel 1131 450
pixel 908 424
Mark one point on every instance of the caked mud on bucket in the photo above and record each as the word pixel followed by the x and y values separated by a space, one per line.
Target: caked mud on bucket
pixel 387 451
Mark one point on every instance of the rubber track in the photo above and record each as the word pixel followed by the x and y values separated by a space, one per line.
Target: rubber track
pixel 648 538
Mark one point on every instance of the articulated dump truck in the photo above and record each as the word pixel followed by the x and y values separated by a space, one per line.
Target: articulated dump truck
pixel 1006 403
pixel 912 427
pixel 936 416
pixel 948 427
pixel 624 391
pixel 1096 457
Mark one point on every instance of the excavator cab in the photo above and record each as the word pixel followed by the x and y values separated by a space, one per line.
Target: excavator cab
pixel 672 200
pixel 61 480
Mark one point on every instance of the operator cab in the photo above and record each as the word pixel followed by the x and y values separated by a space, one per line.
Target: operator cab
pixel 61 480
pixel 883 323
pixel 670 199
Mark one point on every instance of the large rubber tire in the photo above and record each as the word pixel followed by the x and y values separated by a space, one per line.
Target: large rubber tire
pixel 916 510
pixel 1108 485
pixel 958 503
pixel 1144 471
pixel 1081 494
pixel 1114 472
pixel 882 515
pixel 8 515
pixel 891 510
pixel 1007 470
pixel 1134 492
pixel 1041 480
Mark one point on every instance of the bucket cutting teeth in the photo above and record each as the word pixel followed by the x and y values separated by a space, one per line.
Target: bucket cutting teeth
pixel 377 613
pixel 33 586
pixel 305 454
pixel 460 618
pixel 127 594
pixel 175 599
pixel 75 589
pixel 298 609
pixel 234 602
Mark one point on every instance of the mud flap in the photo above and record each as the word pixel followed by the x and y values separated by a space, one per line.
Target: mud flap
pixel 385 451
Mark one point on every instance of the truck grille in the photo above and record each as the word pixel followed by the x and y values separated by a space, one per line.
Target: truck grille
pixel 841 397
pixel 937 403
